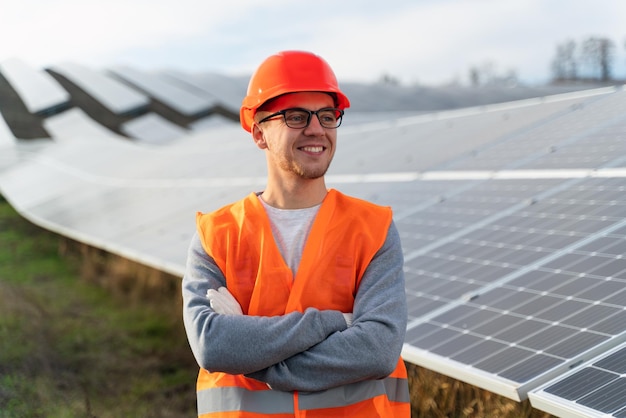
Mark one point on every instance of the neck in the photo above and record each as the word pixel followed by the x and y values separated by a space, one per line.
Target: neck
pixel 296 195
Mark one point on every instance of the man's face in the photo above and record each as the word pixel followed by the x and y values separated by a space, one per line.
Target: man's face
pixel 305 153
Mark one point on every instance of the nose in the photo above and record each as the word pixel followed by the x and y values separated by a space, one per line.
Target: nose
pixel 315 127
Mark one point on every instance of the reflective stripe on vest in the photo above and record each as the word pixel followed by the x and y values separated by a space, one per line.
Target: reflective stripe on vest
pixel 396 390
pixel 224 399
pixel 233 398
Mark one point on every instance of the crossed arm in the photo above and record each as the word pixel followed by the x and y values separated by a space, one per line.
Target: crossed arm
pixel 309 351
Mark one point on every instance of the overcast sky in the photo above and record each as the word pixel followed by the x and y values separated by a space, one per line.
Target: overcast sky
pixel 416 41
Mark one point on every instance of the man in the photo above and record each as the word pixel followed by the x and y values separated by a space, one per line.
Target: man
pixel 294 300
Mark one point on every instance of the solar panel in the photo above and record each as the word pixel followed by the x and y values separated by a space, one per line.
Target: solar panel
pixel 226 92
pixel 75 124
pixel 153 129
pixel 595 389
pixel 582 130
pixel 108 91
pixel 188 103
pixel 37 89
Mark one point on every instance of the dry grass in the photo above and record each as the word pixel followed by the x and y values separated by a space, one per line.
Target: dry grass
pixel 126 280
pixel 437 396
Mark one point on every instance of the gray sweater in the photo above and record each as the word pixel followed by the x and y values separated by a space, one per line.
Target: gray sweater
pixel 309 351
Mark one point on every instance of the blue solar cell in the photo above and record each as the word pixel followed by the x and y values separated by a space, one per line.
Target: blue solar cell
pixel 530 368
pixel 607 399
pixel 580 384
pixel 615 362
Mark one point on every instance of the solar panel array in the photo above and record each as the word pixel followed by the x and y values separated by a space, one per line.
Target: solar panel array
pixel 513 281
pixel 520 293
pixel 512 217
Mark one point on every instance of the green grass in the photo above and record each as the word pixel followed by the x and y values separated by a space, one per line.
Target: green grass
pixel 71 348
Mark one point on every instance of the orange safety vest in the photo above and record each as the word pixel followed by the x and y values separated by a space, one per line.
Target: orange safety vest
pixel 344 237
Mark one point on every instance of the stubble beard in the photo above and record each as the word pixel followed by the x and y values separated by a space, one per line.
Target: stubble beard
pixel 304 172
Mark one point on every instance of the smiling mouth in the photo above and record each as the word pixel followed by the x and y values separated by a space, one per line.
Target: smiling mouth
pixel 313 149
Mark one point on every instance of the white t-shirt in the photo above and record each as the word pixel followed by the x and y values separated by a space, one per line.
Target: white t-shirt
pixel 290 228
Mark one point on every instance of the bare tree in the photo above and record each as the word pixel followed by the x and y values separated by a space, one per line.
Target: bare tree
pixel 564 64
pixel 486 74
pixel 474 76
pixel 483 74
pixel 389 79
pixel 598 53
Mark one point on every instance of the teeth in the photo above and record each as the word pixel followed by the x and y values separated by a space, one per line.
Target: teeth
pixel 313 149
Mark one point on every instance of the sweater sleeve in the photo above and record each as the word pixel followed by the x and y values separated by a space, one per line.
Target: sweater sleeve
pixel 370 348
pixel 239 344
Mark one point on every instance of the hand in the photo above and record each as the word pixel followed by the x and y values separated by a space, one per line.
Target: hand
pixel 348 318
pixel 223 302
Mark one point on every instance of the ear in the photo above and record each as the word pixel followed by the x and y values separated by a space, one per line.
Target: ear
pixel 258 136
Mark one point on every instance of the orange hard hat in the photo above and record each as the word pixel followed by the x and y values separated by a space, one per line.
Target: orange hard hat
pixel 289 72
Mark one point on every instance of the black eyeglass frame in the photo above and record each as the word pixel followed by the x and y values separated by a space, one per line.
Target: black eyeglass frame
pixel 310 113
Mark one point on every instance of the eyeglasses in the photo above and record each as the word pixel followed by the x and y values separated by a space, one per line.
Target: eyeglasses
pixel 298 118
